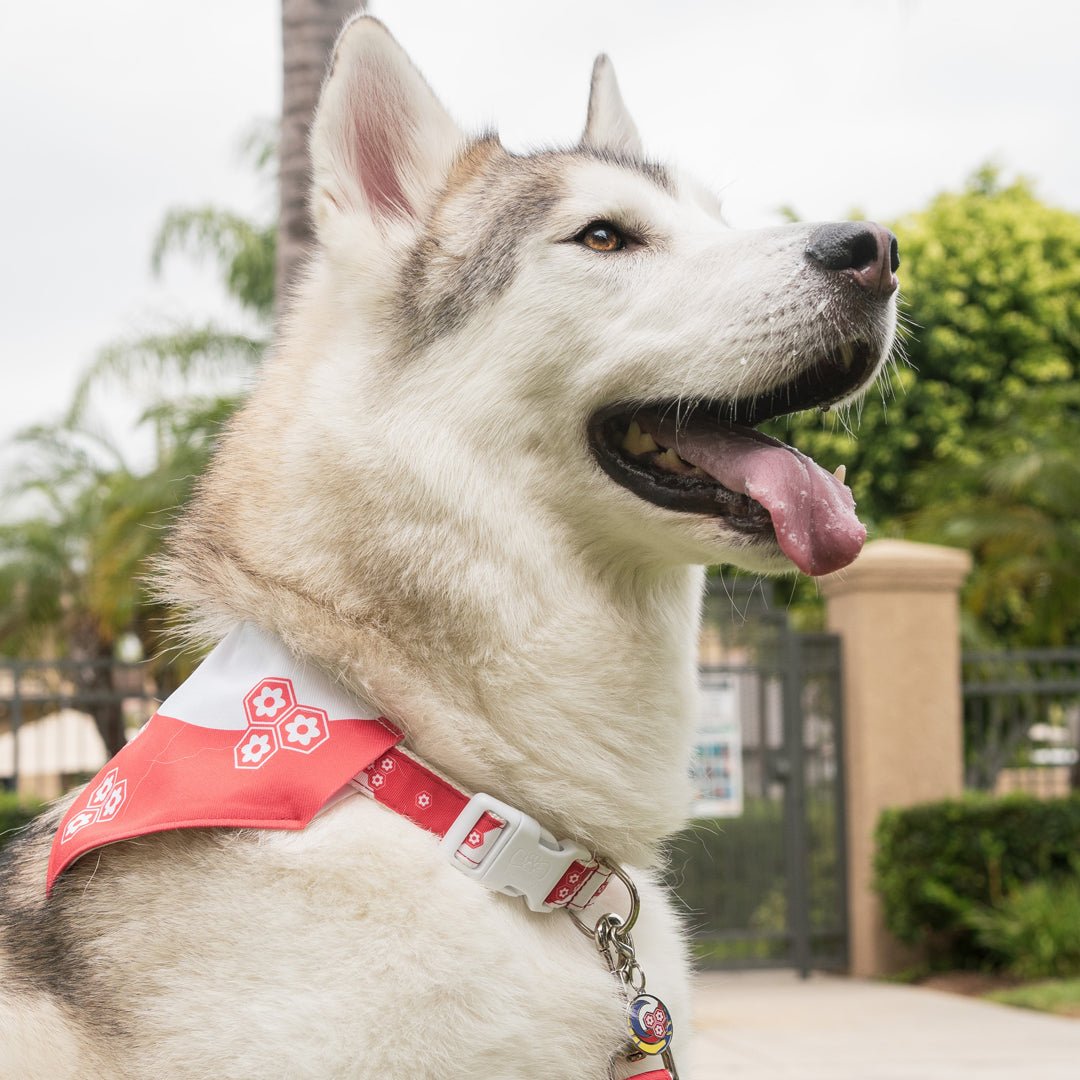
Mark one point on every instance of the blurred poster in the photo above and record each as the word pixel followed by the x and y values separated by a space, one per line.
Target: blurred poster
pixel 717 767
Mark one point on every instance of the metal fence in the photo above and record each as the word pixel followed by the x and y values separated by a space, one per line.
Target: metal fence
pixel 767 885
pixel 1022 721
pixel 51 713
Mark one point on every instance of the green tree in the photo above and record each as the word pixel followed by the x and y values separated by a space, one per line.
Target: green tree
pixel 72 561
pixel 71 567
pixel 1020 516
pixel 974 443
pixel 50 588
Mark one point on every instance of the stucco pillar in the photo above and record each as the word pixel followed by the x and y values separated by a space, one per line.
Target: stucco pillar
pixel 896 610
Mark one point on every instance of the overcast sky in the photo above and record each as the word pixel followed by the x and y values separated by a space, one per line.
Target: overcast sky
pixel 114 110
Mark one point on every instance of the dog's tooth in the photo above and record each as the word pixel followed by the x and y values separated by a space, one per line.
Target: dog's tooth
pixel 636 441
pixel 841 473
pixel 670 460
pixel 847 355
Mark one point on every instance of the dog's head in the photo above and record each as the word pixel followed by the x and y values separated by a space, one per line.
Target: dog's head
pixel 575 336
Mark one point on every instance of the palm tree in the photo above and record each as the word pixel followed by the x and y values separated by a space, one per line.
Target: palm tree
pixel 1020 518
pixel 309 29
pixel 86 521
pixel 71 569
pixel 49 593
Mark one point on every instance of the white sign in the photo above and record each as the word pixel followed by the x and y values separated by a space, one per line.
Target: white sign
pixel 717 766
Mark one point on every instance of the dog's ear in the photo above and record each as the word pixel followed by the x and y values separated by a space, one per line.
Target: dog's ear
pixel 381 142
pixel 609 125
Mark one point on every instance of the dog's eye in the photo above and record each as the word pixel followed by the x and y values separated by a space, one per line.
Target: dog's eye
pixel 601 236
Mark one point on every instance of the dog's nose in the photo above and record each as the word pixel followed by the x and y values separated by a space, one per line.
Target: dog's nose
pixel 863 249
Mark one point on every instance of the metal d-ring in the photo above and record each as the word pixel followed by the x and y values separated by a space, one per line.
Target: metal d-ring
pixel 619 925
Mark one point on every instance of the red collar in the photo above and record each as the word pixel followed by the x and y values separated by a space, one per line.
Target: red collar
pixel 255 739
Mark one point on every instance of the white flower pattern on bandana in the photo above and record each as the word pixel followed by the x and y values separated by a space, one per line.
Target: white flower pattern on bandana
pixel 103 790
pixel 269 702
pixel 256 748
pixel 277 721
pixel 112 804
pixel 102 804
pixel 302 729
pixel 79 822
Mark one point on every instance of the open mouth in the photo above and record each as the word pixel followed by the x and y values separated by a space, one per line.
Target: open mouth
pixel 711 460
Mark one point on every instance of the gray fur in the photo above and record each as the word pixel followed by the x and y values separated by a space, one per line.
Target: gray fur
pixel 507 198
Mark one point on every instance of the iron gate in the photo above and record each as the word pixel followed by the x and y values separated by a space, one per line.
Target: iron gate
pixel 768 887
pixel 1022 721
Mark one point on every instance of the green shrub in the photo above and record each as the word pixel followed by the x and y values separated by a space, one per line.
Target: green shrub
pixel 939 864
pixel 1053 996
pixel 15 812
pixel 1035 931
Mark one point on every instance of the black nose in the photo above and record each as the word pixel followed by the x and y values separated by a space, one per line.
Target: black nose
pixel 865 250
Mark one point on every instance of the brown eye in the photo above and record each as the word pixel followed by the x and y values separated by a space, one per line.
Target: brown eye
pixel 601 236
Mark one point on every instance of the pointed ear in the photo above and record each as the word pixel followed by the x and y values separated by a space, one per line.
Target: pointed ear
pixel 381 143
pixel 609 125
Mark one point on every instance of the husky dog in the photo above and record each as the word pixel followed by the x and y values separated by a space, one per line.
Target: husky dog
pixel 511 416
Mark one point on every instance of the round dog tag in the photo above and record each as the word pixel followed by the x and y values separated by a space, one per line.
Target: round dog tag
pixel 649 1022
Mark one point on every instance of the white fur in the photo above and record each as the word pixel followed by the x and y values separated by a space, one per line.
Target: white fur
pixel 427 523
pixel 609 124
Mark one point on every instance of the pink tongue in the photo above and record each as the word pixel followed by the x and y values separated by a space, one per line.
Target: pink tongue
pixel 812 513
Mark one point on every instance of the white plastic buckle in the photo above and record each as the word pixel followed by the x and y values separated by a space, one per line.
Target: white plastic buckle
pixel 526 859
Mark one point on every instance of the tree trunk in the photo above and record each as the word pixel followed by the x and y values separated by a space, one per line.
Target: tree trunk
pixel 308 31
pixel 108 714
pixel 93 654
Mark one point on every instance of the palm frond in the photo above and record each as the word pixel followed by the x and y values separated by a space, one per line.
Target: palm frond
pixel 185 353
pixel 243 252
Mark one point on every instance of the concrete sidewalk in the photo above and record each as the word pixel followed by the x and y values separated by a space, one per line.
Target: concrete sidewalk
pixel 774 1026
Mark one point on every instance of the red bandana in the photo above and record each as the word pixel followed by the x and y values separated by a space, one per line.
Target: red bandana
pixel 253 739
